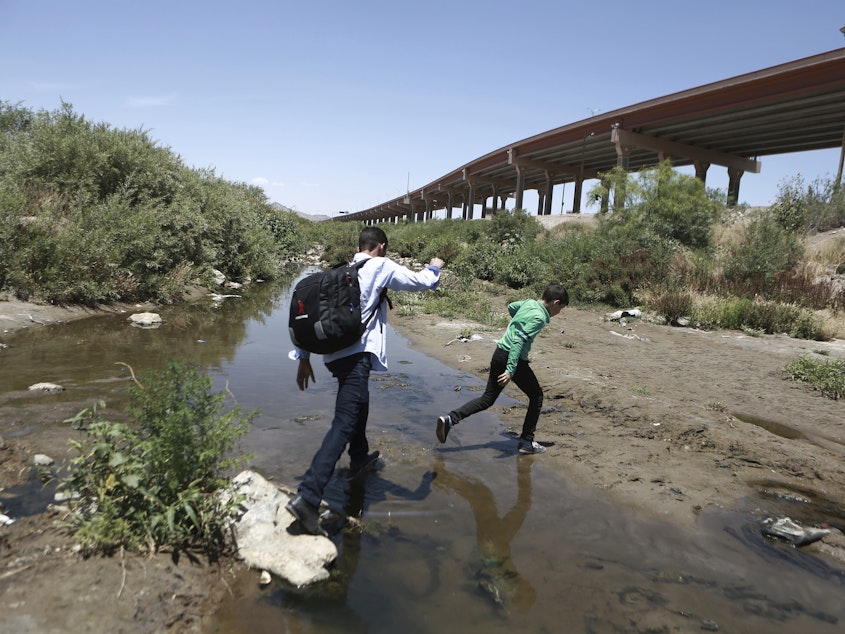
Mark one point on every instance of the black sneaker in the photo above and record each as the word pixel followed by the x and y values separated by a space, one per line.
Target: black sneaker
pixel 529 447
pixel 359 468
pixel 307 515
pixel 444 424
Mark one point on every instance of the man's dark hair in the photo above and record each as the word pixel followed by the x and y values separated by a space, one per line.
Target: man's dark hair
pixel 370 238
pixel 556 292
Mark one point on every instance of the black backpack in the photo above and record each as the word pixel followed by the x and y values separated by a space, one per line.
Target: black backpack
pixel 325 309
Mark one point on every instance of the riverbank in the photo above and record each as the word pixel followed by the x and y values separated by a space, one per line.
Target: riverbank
pixel 668 422
pixel 46 585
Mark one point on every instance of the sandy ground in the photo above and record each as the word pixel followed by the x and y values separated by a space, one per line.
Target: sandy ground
pixel 655 416
pixel 662 420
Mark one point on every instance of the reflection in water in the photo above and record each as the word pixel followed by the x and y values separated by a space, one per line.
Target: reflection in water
pixel 331 606
pixel 498 576
pixel 83 356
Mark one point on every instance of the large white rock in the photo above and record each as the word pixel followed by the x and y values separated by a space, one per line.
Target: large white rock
pixel 45 387
pixel 145 319
pixel 263 541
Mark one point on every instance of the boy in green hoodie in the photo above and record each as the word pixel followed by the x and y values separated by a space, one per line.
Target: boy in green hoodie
pixel 510 363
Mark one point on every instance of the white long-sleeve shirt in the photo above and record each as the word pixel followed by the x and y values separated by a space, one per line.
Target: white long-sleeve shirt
pixel 372 278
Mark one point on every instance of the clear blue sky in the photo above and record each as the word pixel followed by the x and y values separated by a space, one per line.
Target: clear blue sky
pixel 335 105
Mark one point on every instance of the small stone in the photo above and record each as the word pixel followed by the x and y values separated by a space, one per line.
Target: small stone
pixel 5 520
pixel 145 319
pixel 265 578
pixel 43 460
pixel 46 387
pixel 218 277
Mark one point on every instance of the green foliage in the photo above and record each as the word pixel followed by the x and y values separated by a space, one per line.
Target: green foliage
pixel 814 207
pixel 620 262
pixel 759 315
pixel 454 303
pixel 765 249
pixel 826 376
pixel 790 207
pixel 662 201
pixel 658 250
pixel 339 240
pixel 285 231
pixel 512 228
pixel 158 485
pixel 92 214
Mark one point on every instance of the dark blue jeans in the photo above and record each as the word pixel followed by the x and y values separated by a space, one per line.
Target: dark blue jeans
pixel 524 379
pixel 349 426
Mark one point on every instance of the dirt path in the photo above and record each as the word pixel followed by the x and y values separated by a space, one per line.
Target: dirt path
pixel 654 417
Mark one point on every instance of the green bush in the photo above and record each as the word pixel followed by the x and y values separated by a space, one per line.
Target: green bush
pixel 662 201
pixel 765 249
pixel 770 317
pixel 157 485
pixel 790 207
pixel 512 228
pixel 826 376
pixel 92 214
pixel 815 207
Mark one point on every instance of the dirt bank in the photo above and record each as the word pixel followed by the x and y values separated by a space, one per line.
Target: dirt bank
pixel 662 420
pixel 668 421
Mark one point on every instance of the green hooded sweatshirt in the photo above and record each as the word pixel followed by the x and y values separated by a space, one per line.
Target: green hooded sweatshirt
pixel 528 318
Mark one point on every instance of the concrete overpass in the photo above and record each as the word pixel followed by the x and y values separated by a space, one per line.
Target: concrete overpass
pixel 794 107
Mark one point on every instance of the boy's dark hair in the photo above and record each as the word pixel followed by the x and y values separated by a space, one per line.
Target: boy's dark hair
pixel 556 292
pixel 370 238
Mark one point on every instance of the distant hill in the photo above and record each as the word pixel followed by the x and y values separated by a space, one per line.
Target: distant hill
pixel 312 217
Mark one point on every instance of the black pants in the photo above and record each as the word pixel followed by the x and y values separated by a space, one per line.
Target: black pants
pixel 524 379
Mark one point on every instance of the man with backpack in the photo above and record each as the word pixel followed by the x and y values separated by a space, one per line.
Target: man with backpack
pixel 351 366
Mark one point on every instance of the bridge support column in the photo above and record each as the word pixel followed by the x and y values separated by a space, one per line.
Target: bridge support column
pixel 520 186
pixel 734 176
pixel 701 168
pixel 495 201
pixel 576 201
pixel 547 208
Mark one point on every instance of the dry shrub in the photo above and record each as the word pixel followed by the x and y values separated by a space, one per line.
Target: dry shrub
pixel 829 253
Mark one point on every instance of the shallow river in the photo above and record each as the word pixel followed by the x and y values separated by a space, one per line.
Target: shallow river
pixel 462 537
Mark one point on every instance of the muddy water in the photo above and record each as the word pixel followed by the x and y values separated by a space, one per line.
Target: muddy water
pixel 464 537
